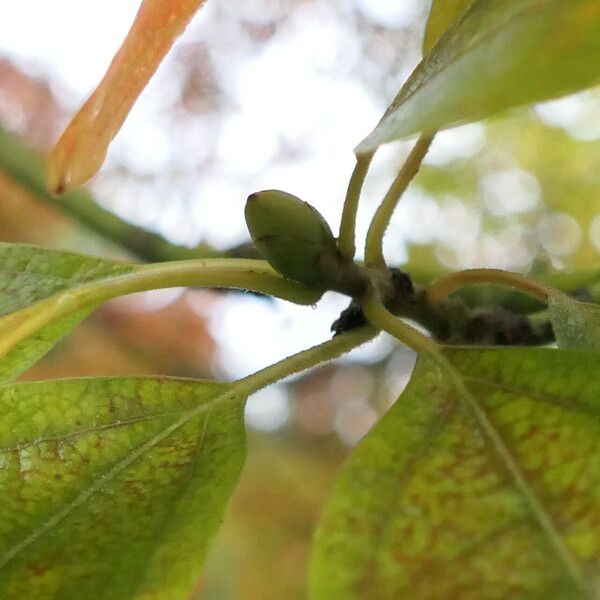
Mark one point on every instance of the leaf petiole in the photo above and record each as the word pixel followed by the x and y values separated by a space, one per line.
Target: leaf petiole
pixel 447 284
pixel 347 237
pixel 329 350
pixel 379 316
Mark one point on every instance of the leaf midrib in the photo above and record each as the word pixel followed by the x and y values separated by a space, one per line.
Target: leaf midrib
pixel 541 516
pixel 59 284
pixel 97 428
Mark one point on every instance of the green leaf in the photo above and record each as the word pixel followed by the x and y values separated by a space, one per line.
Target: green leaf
pixel 442 14
pixel 112 488
pixel 489 494
pixel 575 324
pixel 29 274
pixel 500 54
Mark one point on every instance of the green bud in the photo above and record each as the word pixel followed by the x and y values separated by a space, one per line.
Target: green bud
pixel 292 236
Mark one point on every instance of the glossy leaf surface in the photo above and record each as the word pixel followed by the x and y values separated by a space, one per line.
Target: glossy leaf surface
pixel 434 506
pixel 112 488
pixel 500 54
pixel 29 274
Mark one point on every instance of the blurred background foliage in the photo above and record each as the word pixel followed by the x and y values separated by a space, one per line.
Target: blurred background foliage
pixel 261 94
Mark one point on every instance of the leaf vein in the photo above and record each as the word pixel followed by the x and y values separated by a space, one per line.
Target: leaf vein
pixel 541 397
pixel 113 472
pixel 75 434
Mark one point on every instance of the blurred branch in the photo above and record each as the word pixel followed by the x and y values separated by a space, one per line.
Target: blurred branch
pixel 26 168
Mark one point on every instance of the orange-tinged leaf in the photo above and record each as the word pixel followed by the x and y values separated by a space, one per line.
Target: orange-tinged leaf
pixel 81 149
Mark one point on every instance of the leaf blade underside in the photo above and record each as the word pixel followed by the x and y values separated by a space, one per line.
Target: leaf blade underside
pixel 113 487
pixel 427 509
pixel 575 324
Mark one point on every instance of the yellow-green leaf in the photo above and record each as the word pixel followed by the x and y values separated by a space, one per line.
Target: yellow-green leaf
pixel 442 14
pixel 500 54
pixel 494 498
pixel 575 324
pixel 113 488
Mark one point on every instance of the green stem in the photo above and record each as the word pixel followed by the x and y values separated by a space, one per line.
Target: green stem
pixel 374 245
pixel 236 273
pixel 380 317
pixel 254 275
pixel 347 238
pixel 25 167
pixel 236 393
pixel 447 284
